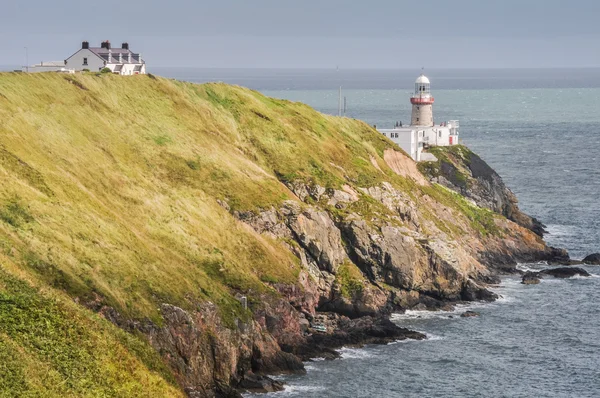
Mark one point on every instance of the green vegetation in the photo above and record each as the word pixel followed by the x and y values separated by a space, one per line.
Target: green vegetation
pixel 49 347
pixel 481 220
pixel 111 188
pixel 450 163
pixel 349 279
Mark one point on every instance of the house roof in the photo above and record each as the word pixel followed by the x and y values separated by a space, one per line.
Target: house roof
pixel 102 53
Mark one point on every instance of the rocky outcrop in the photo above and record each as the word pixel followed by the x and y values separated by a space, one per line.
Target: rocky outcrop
pixel 531 278
pixel 343 331
pixel 565 272
pixel 592 259
pixel 469 314
pixel 463 171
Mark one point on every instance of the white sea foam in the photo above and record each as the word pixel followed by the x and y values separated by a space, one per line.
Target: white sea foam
pixel 505 299
pixel 354 353
pixel 296 390
pixel 534 267
pixel 426 314
pixel 432 337
pixel 585 277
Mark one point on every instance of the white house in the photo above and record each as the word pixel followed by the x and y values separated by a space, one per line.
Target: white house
pixel 121 61
pixel 422 132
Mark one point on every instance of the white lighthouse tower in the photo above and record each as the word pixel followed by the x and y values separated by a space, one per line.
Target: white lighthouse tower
pixel 422 133
pixel 422 103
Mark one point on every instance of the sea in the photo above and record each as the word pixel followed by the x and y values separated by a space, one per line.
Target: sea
pixel 540 130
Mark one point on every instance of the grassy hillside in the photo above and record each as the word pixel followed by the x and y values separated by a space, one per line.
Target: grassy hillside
pixel 111 188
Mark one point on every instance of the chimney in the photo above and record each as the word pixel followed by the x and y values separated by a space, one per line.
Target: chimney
pixel 85 45
pixel 105 44
pixel 125 46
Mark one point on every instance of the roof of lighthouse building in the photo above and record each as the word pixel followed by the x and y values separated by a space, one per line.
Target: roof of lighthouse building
pixel 422 79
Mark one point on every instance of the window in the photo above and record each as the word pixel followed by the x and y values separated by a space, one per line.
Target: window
pixel 417 119
pixel 385 134
pixel 440 134
pixel 85 61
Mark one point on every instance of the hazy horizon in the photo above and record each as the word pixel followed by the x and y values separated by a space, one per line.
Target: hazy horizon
pixel 385 34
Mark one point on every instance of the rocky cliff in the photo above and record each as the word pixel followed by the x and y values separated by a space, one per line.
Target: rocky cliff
pixel 195 238
pixel 463 171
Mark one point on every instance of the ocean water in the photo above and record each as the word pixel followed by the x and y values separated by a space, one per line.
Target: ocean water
pixel 540 129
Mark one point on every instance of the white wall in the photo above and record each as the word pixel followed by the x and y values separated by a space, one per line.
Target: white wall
pixel 94 63
pixel 441 136
pixel 405 139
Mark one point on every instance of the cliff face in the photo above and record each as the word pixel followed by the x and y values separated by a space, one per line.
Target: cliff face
pixel 163 206
pixel 463 171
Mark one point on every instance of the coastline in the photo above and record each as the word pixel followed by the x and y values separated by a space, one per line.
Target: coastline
pixel 296 214
pixel 518 295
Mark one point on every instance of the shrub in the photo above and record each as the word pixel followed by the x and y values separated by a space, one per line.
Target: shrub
pixel 105 70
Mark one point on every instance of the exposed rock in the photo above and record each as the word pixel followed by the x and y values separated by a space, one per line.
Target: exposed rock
pixel 341 199
pixel 473 292
pixel 466 173
pixel 469 314
pixel 592 259
pixel 531 278
pixel 259 384
pixel 368 301
pixel 565 272
pixel 559 256
pixel 357 332
pixel 403 165
pixel 317 233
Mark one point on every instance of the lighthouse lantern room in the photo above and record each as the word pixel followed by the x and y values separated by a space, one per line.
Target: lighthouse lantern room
pixel 422 133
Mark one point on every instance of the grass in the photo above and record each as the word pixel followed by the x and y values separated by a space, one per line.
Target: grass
pixel 450 163
pixel 110 187
pixel 49 347
pixel 349 279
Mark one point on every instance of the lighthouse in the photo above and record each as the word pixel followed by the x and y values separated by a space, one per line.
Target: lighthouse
pixel 422 103
pixel 422 133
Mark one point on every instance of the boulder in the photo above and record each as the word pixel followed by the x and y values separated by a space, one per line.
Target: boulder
pixel 565 272
pixel 260 384
pixel 469 314
pixel 592 259
pixel 559 256
pixel 531 278
pixel 473 292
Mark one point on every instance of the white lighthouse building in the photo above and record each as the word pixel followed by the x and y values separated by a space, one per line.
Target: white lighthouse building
pixel 422 132
pixel 422 103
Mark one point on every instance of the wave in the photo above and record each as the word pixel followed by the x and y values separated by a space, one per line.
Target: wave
pixel 533 267
pixel 584 277
pixel 432 337
pixel 296 390
pixel 354 353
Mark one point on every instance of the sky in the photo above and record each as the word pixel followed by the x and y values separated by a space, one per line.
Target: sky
pixel 311 33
